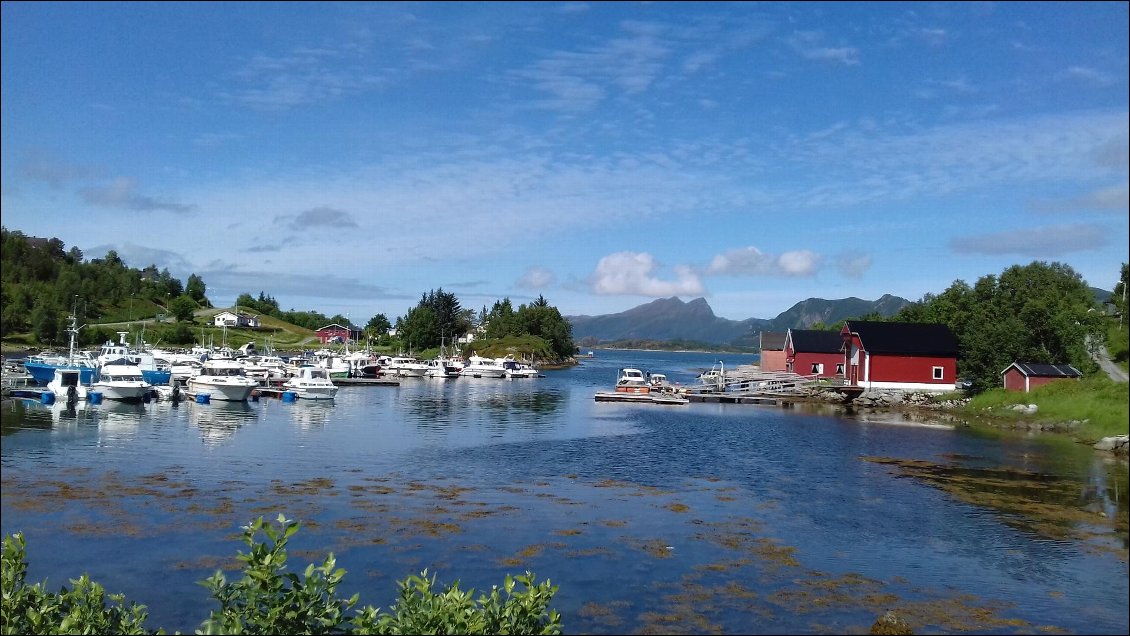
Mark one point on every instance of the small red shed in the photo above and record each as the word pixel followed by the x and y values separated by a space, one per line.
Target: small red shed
pixel 773 351
pixel 1025 376
pixel 814 352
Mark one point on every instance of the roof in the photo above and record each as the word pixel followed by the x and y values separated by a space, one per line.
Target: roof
pixel 904 338
pixel 773 340
pixel 1045 370
pixel 816 341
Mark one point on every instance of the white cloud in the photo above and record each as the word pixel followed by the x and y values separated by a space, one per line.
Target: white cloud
pixel 750 261
pixel 853 264
pixel 1038 242
pixel 634 273
pixel 536 278
pixel 121 194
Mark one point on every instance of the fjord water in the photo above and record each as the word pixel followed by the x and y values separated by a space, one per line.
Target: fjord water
pixel 700 518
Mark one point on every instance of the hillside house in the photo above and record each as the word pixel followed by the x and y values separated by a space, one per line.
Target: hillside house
pixel 339 334
pixel 900 356
pixel 1025 376
pixel 235 319
pixel 773 351
pixel 814 352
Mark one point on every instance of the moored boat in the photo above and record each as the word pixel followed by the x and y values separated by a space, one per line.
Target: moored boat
pixel 121 380
pixel 224 380
pixel 312 383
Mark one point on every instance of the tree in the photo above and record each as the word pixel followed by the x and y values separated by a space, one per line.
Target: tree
pixel 182 308
pixel 195 289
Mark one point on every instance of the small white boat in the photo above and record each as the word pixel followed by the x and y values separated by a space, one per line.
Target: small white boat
pixel 67 386
pixel 441 368
pixel 121 380
pixel 312 383
pixel 515 369
pixel 223 379
pixel 632 381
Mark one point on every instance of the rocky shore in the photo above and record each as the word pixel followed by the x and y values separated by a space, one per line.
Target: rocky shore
pixel 949 410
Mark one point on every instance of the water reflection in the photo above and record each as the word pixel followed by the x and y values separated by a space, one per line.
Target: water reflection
pixel 118 421
pixel 57 417
pixel 311 415
pixel 219 421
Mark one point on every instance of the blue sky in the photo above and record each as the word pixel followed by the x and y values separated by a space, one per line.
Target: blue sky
pixel 348 158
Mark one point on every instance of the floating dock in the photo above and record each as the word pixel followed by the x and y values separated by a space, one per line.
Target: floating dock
pixel 364 382
pixel 640 398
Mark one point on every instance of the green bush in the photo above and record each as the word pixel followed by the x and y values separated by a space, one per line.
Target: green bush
pixel 270 600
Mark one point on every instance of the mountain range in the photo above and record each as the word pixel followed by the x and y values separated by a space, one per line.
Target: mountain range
pixel 668 319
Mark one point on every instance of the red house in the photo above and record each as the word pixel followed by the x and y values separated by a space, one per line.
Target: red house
pixel 814 352
pixel 337 333
pixel 1025 376
pixel 773 351
pixel 902 356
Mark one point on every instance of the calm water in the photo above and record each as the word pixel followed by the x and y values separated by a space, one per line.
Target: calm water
pixel 702 518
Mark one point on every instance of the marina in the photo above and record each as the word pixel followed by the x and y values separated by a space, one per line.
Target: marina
pixel 776 519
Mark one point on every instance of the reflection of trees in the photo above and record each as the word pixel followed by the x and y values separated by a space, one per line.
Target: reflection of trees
pixel 25 413
pixel 218 421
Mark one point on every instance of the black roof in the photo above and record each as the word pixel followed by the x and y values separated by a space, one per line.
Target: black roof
pixel 1046 370
pixel 905 338
pixel 773 340
pixel 816 341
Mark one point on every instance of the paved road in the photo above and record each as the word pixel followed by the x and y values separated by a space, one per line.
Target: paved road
pixel 1102 356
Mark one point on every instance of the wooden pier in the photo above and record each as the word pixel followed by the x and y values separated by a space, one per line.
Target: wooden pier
pixel 641 398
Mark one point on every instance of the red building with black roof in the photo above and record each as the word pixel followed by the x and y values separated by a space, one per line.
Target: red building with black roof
pixel 903 356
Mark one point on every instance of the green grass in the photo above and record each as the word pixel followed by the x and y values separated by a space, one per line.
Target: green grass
pixel 1100 403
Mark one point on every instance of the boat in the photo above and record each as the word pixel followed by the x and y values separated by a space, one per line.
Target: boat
pixel 405 367
pixel 312 383
pixel 632 381
pixel 515 369
pixel 633 385
pixel 440 368
pixel 156 373
pixel 67 385
pixel 222 379
pixel 121 380
pixel 479 367
pixel 42 367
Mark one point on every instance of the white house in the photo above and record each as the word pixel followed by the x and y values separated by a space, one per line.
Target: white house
pixel 233 319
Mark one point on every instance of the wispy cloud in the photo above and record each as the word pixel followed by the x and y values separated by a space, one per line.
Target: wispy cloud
pixel 579 80
pixel 852 264
pixel 1086 75
pixel 122 194
pixel 634 273
pixel 305 76
pixel 811 46
pixel 535 278
pixel 750 261
pixel 1039 242
pixel 323 216
pixel 1112 199
pixel 41 165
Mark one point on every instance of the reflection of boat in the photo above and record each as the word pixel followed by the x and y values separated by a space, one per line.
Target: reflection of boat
pixel 121 380
pixel 223 380
pixel 219 421
pixel 312 383
pixel 632 381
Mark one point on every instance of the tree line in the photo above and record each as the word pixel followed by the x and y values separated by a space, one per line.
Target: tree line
pixel 42 284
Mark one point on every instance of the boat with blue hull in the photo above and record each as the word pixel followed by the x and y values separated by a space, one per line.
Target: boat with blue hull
pixel 42 367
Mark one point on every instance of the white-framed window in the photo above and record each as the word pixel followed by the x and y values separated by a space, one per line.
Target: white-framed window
pixel 817 368
pixel 939 373
pixel 840 369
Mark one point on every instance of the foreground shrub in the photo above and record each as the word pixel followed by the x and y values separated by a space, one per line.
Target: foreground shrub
pixel 269 600
pixel 30 609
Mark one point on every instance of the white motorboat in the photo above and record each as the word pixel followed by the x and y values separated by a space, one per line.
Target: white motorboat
pixel 312 383
pixel 441 368
pixel 223 379
pixel 405 367
pixel 480 367
pixel 515 369
pixel 121 380
pixel 632 381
